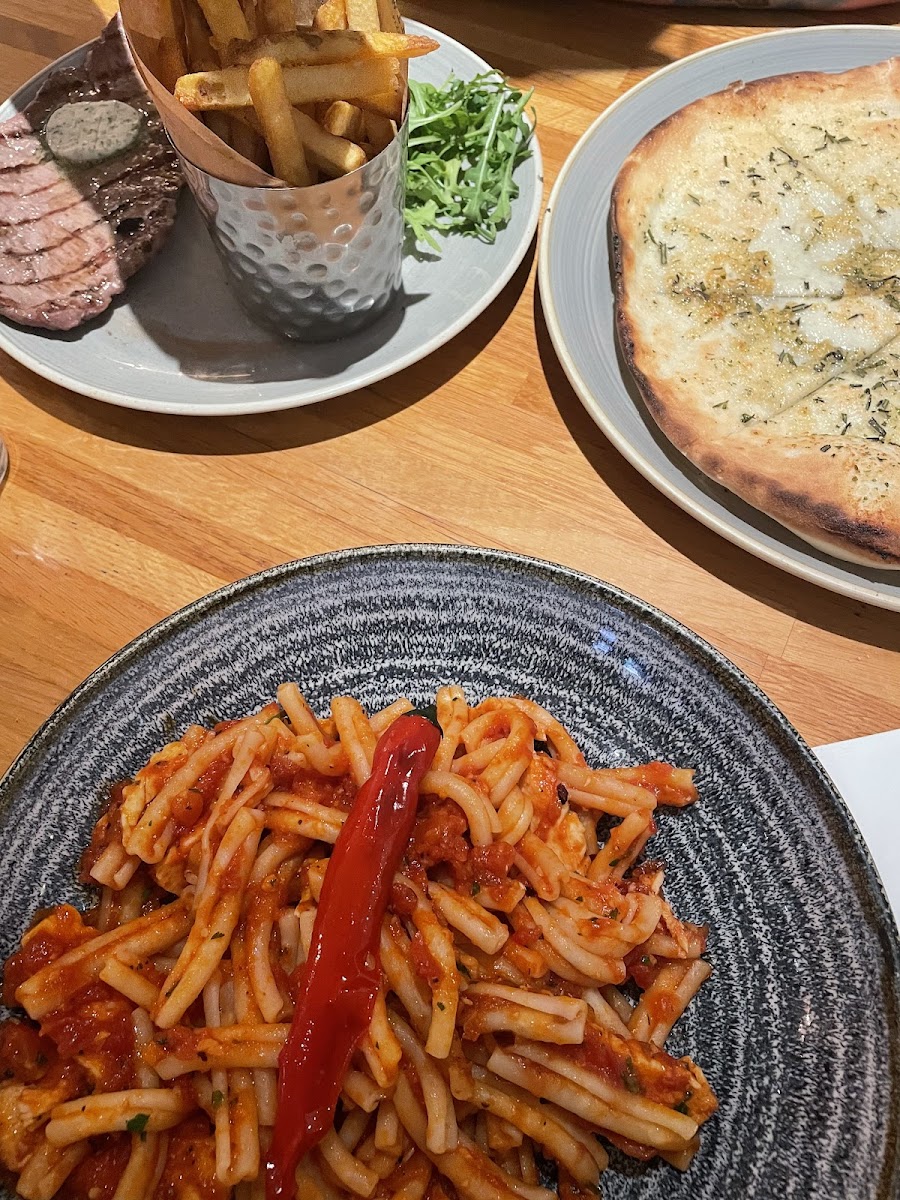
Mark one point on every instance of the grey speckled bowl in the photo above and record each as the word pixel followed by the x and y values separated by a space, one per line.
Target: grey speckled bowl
pixel 798 1029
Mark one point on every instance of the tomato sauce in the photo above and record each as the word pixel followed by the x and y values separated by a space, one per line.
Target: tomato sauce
pixel 97 1176
pixel 102 832
pixel 657 777
pixel 642 967
pixel 541 786
pixel 632 1149
pixel 568 1189
pixel 637 1066
pixel 190 1171
pixel 527 932
pixel 438 834
pixel 403 900
pixel 438 837
pixel 59 931
pixel 291 776
pixel 423 961
pixel 486 865
pixel 209 784
pixel 96 1026
pixel 24 1054
pixel 188 808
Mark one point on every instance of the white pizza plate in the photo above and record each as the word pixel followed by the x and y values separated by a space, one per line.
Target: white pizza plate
pixel 177 341
pixel 577 291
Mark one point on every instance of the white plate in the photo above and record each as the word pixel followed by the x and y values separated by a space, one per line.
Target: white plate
pixel 177 341
pixel 577 295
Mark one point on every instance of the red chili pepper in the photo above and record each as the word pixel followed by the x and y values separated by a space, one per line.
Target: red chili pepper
pixel 338 984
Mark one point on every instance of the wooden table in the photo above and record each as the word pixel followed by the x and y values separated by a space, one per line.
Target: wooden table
pixel 112 519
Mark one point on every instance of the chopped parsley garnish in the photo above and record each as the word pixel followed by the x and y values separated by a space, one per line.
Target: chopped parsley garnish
pixel 217 1098
pixel 138 1124
pixel 630 1078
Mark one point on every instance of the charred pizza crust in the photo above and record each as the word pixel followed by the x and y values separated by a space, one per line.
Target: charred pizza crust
pixel 756 238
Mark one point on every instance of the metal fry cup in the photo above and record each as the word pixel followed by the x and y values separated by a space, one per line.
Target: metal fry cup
pixel 316 263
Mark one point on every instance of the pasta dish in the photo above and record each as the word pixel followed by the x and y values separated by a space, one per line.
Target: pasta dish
pixel 527 970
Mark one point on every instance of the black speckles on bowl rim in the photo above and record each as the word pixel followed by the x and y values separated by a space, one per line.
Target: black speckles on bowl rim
pixel 798 1029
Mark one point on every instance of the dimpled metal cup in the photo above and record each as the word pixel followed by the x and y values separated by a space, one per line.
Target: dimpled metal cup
pixel 317 263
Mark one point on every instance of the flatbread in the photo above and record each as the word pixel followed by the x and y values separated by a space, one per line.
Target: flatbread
pixel 757 252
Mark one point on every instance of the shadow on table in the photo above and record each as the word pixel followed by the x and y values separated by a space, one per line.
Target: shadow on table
pixel 714 554
pixel 574 36
pixel 263 432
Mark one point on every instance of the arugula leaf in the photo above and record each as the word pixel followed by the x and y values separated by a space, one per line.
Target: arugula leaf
pixel 465 141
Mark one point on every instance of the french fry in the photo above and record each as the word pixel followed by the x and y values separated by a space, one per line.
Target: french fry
pixel 363 14
pixel 200 54
pixel 335 100
pixel 278 16
pixel 344 120
pixel 170 61
pixel 389 104
pixel 226 21
pixel 389 18
pixel 251 16
pixel 266 85
pixel 331 15
pixel 380 131
pixel 368 84
pixel 220 124
pixel 334 156
pixel 332 46
pixel 247 141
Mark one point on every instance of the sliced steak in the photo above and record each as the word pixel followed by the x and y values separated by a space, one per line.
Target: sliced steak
pixel 71 235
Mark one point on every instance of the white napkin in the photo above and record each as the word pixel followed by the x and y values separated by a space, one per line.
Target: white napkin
pixel 866 771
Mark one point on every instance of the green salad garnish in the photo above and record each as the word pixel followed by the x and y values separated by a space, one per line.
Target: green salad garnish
pixel 465 141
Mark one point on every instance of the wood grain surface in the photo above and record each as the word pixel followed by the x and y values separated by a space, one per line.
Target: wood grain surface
pixel 112 519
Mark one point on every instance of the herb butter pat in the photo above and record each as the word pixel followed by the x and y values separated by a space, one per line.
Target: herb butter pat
pixel 90 131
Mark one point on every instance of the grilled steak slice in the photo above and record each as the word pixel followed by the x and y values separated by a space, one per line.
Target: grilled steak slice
pixel 71 234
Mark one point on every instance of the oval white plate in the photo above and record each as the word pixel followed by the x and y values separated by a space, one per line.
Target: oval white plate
pixel 577 294
pixel 177 341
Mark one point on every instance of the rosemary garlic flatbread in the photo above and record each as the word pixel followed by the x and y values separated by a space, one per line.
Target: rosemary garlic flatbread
pixel 757 250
